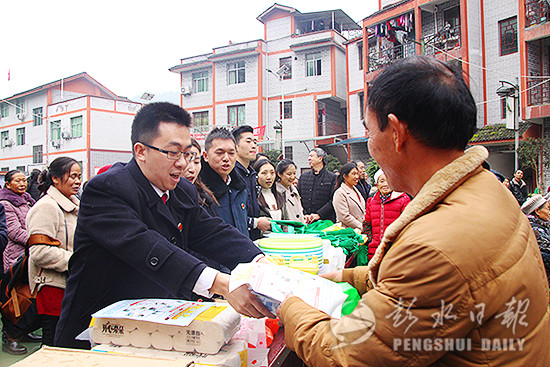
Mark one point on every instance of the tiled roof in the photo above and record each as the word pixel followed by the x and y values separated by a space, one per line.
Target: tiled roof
pixel 498 132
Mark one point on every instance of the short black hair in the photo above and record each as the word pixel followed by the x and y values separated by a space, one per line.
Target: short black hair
pixel 239 130
pixel 217 133
pixel 430 96
pixel 147 120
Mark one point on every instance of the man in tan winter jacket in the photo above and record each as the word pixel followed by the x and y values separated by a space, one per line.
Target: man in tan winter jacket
pixel 458 279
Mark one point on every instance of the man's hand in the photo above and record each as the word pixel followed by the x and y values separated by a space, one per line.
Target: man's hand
pixel 264 224
pixel 280 307
pixel 335 276
pixel 241 299
pixel 312 218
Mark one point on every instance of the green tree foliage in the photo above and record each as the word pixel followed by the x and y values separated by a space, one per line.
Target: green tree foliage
pixel 371 167
pixel 532 153
pixel 274 156
pixel 333 163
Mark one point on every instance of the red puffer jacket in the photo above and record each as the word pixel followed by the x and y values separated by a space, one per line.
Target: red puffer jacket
pixel 381 215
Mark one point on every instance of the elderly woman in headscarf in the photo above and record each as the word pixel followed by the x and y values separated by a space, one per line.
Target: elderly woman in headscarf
pixel 537 209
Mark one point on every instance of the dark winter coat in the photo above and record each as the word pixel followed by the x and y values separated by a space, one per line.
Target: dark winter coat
pixel 542 233
pixel 519 190
pixel 16 209
pixel 231 198
pixel 3 229
pixel 130 245
pixel 250 177
pixel 316 192
pixel 364 188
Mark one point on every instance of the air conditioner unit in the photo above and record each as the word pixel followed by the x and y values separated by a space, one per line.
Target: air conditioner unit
pixel 56 143
pixel 186 90
pixel 66 134
pixel 7 142
pixel 21 116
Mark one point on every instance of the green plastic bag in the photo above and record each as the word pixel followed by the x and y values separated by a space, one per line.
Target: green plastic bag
pixel 362 255
pixel 353 298
pixel 345 238
pixel 292 226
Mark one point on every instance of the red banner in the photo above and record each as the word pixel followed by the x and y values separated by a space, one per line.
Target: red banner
pixel 259 131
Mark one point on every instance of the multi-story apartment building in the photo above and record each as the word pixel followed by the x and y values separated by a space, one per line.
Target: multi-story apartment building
pixel 291 85
pixel 533 36
pixel 76 117
pixel 495 43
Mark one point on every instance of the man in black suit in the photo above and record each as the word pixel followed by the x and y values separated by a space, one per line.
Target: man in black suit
pixel 140 226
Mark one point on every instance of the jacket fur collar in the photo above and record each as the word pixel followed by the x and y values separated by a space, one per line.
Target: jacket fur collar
pixel 441 184
pixel 215 183
pixel 15 199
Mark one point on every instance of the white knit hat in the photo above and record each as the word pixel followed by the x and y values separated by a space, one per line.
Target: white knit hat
pixel 533 203
pixel 377 176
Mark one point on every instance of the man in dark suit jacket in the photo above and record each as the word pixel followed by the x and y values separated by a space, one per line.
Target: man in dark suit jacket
pixel 362 185
pixel 316 188
pixel 139 226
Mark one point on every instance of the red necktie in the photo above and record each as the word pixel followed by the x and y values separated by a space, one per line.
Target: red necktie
pixel 164 198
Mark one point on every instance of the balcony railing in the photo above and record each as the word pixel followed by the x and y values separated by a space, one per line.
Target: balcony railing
pixel 538 91
pixel 379 59
pixel 536 12
pixel 326 128
pixel 447 39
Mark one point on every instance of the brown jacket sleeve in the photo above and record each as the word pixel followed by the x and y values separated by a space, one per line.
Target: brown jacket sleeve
pixel 371 334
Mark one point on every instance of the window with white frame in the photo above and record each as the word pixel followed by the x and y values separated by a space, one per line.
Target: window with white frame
pixel 20 168
pixel 37 154
pixel 200 120
pixel 4 136
pixel 313 64
pixel 55 130
pixel 360 54
pixel 236 115
pixel 4 110
pixel 235 72
pixel 19 107
pixel 76 127
pixel 5 169
pixel 37 116
pixel 200 82
pixel 288 62
pixel 20 135
pixel 289 153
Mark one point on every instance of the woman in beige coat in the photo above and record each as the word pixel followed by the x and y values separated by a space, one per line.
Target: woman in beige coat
pixel 286 174
pixel 348 202
pixel 51 224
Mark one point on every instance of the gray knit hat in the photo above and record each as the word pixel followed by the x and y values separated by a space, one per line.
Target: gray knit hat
pixel 533 203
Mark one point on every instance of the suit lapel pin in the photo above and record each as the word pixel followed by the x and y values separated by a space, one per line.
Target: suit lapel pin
pixel 180 226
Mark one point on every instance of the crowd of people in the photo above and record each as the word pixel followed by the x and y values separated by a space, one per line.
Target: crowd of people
pixel 175 220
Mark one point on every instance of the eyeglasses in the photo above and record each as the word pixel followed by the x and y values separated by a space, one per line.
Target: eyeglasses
pixel 170 154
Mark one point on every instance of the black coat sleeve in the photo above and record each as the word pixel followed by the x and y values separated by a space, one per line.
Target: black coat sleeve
pixel 128 226
pixel 3 229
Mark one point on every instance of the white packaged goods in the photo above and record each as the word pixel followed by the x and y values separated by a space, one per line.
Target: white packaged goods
pixel 166 324
pixel 233 354
pixel 272 283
